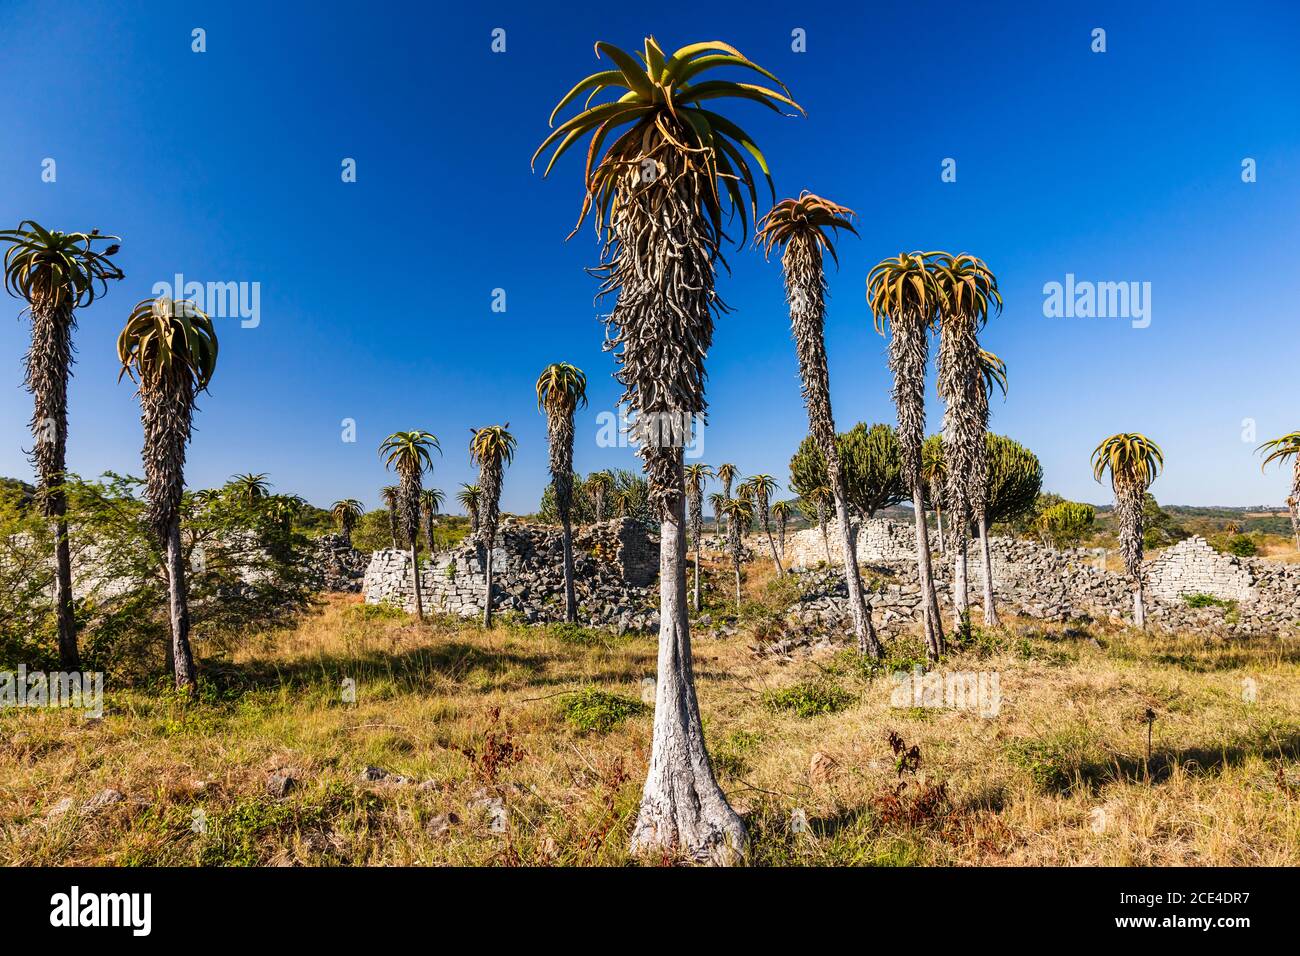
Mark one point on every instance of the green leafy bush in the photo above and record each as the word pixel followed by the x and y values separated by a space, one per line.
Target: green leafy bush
pixel 810 698
pixel 594 711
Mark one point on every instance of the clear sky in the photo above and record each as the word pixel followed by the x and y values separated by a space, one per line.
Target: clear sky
pixel 376 296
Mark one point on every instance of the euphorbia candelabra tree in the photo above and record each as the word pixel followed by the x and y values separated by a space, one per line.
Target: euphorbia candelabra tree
pixel 657 194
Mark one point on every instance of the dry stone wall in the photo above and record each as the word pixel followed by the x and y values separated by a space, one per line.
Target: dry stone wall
pixel 879 539
pixel 615 566
pixel 1037 581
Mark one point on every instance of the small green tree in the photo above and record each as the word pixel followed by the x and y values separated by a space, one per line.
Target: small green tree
pixel 1065 524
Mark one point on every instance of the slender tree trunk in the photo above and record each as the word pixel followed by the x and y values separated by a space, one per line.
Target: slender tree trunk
pixel 1293 504
pixel 48 366
pixel 780 537
pixel 681 803
pixel 487 596
pixel 428 534
pixel 182 657
pixel 826 544
pixel 697 575
pixel 960 581
pixel 69 656
pixel 863 628
pixel 735 563
pixel 570 595
pixel 938 518
pixel 929 600
pixel 990 600
pixel 1139 606
pixel 415 577
pixel 392 525
pixel 776 560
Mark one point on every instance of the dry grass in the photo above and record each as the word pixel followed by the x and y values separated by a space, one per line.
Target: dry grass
pixel 1059 777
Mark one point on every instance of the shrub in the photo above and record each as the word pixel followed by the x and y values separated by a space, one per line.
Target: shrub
pixel 810 698
pixel 1207 600
pixel 1243 546
pixel 594 711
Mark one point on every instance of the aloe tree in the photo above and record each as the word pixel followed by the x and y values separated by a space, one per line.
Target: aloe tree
pixel 491 448
pixel 431 504
pixel 657 195
pixel 599 485
pixel 561 388
pixel 759 489
pixel 250 487
pixel 934 473
pixel 409 454
pixel 904 297
pixel 803 228
pixel 740 518
pixel 56 273
pixel 169 349
pixel 781 511
pixel 727 474
pixel 470 497
pixel 346 513
pixel 1280 449
pixel 968 291
pixel 993 374
pixel 697 476
pixel 391 495
pixel 1133 461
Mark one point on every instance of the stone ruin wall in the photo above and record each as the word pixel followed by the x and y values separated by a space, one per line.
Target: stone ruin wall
pixel 1038 581
pixel 616 564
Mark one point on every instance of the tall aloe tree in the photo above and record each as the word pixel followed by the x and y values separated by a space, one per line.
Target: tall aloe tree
pixel 1280 449
pixel 993 374
pixel 56 273
pixel 250 487
pixel 803 229
pixel 969 291
pixel 934 474
pixel 599 484
pixel 697 476
pixel 491 448
pixel 657 195
pixel 409 453
pixel 781 512
pixel 470 497
pixel 561 388
pixel 904 297
pixel 169 349
pixel 727 474
pixel 1133 461
pixel 431 504
pixel 740 518
pixel 346 513
pixel 391 496
pixel 759 489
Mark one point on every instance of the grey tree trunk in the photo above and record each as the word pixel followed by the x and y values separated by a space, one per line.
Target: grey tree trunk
pixel 570 594
pixel 697 576
pixel 938 518
pixel 863 628
pixel 776 560
pixel 415 577
pixel 960 582
pixel 929 600
pixel 990 605
pixel 681 804
pixel 182 657
pixel 69 656
pixel 487 597
pixel 1139 607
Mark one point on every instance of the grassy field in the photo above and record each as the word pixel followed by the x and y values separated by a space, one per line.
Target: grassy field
pixel 529 746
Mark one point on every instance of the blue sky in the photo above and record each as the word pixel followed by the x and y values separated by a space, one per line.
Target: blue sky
pixel 376 296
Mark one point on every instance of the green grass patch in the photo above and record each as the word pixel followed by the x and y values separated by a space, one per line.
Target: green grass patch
pixel 594 711
pixel 810 698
